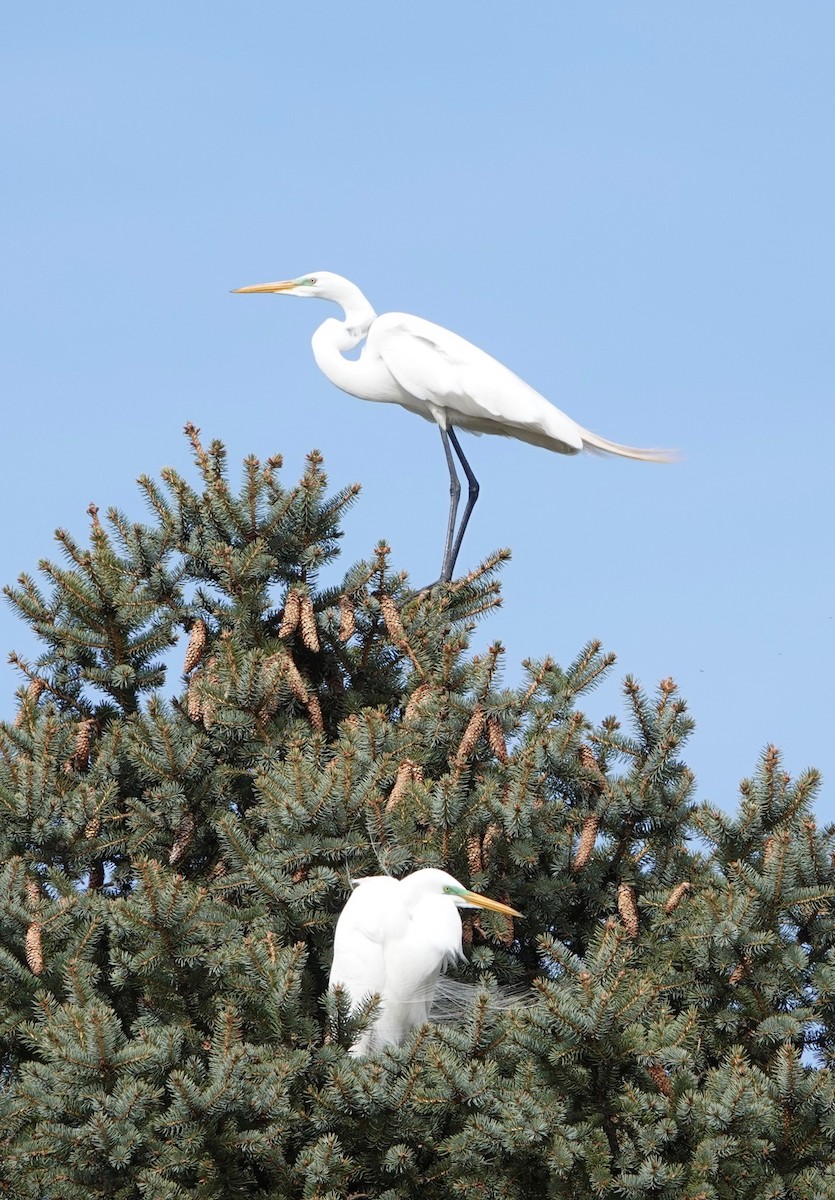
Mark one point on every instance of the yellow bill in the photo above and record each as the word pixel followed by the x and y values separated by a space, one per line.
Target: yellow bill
pixel 284 285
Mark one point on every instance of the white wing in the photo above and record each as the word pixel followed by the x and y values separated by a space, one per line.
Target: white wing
pixel 453 378
pixel 373 915
pixel 451 381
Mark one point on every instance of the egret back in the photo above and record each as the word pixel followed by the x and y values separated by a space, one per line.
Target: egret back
pixel 456 383
pixel 373 915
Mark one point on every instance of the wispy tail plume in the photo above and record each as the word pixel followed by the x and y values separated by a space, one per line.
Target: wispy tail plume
pixel 600 445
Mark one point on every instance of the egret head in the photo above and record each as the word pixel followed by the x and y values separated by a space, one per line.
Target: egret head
pixel 323 284
pixel 431 880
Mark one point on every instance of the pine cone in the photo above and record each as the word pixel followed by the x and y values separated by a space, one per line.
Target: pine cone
pixel 347 618
pixel 80 758
pixel 392 619
pixel 93 827
pixel 182 838
pixel 677 895
pixel 292 612
pixel 415 701
pixel 628 908
pixel 496 738
pixel 310 634
pixel 588 758
pixel 407 772
pixel 196 645
pixel 474 860
pixel 34 947
pixel 194 704
pixel 314 710
pixel 660 1078
pixel 585 846
pixel 742 968
pixel 295 681
pixel 33 694
pixel 33 893
pixel 474 730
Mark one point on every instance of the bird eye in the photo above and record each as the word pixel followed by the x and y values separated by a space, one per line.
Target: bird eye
pixel 310 281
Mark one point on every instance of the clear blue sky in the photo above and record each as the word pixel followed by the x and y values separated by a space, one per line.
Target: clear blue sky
pixel 631 204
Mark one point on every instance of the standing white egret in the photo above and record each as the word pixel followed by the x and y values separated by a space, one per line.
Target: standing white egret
pixel 393 939
pixel 440 376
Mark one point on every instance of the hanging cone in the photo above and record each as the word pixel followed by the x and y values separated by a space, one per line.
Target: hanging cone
pixel 33 694
pixel 347 618
pixel 585 846
pixel 677 895
pixel 407 772
pixel 80 758
pixel 314 710
pixel 474 860
pixel 660 1078
pixel 196 645
pixel 474 730
pixel 93 828
pixel 628 908
pixel 34 947
pixel 310 634
pixel 182 838
pixel 194 705
pixel 421 692
pixel 392 619
pixel 295 681
pixel 742 968
pixel 292 612
pixel 496 738
pixel 588 758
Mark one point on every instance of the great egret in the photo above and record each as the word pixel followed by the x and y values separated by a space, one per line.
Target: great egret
pixel 393 939
pixel 440 376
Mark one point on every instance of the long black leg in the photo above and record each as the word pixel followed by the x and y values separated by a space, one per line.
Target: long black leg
pixel 454 497
pixel 472 496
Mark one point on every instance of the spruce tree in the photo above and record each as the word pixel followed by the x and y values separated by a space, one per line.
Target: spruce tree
pixel 176 849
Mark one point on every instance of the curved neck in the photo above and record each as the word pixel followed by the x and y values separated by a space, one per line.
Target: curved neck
pixel 333 337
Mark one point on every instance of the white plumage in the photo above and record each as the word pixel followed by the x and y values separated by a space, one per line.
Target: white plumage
pixel 393 939
pixel 441 377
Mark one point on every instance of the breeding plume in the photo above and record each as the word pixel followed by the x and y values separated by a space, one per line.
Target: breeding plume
pixel 440 376
pixel 393 939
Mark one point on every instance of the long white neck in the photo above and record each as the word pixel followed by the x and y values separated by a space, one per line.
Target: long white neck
pixel 333 337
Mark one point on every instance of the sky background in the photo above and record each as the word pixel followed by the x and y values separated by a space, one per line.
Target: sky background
pixel 630 204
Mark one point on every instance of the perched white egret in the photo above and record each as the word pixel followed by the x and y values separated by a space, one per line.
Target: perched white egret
pixel 440 376
pixel 393 939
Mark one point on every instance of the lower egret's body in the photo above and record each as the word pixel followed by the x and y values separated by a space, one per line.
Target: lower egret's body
pixel 393 939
